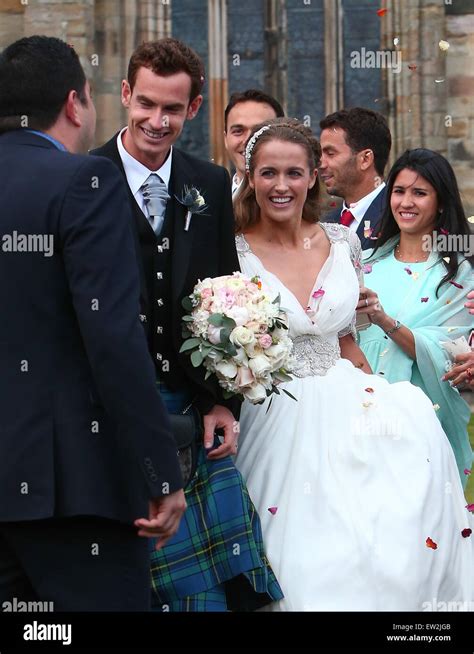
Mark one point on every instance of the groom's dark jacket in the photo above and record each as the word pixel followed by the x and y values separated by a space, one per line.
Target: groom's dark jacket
pixel 83 430
pixel 168 274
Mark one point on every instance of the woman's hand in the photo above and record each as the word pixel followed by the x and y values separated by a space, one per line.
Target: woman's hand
pixel 369 304
pixel 463 371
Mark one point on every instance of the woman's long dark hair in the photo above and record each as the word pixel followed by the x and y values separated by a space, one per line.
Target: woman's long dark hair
pixel 436 170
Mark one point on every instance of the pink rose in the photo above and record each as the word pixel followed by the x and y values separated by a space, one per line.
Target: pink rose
pixel 244 377
pixel 265 341
pixel 206 292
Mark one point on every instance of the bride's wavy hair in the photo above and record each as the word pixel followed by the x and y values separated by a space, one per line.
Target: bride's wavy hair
pixel 290 130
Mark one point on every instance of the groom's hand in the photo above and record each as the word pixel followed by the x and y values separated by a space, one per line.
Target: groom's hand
pixel 163 520
pixel 220 417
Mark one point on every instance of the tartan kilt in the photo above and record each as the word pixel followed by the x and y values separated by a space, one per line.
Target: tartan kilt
pixel 219 540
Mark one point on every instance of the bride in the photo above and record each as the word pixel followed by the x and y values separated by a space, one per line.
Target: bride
pixel 355 482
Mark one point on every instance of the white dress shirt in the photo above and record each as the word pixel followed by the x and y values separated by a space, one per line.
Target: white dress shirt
pixel 236 184
pixel 137 173
pixel 358 209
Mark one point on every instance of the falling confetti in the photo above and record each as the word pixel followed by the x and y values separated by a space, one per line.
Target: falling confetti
pixel 408 270
pixel 443 231
pixel 451 329
pixel 470 219
pixel 396 41
pixel 273 509
pixel 430 543
pixel 447 259
pixel 465 533
pixel 470 507
pixel 382 354
pixel 438 81
pixel 415 276
pixel 412 66
pixel 425 299
pixel 369 390
pixel 381 12
pixel 367 268
pixel 455 284
pixel 317 294
pixel 367 405
pixel 448 301
pixel 333 204
pixel 466 471
pixel 436 407
pixel 443 45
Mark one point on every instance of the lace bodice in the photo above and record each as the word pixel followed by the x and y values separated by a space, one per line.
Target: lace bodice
pixel 331 305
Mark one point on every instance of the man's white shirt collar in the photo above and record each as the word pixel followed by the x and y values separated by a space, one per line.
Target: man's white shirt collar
pixel 137 173
pixel 358 209
pixel 236 183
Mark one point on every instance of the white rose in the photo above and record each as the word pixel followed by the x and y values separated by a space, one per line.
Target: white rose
pixel 239 314
pixel 260 365
pixel 241 336
pixel 255 393
pixel 227 369
pixel 214 334
pixel 278 352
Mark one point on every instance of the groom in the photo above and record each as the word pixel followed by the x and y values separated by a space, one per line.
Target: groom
pixel 161 92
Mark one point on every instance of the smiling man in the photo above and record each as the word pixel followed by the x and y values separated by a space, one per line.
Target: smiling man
pixel 244 111
pixel 355 147
pixel 162 91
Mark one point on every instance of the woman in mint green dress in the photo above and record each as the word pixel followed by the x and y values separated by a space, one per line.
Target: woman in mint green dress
pixel 417 278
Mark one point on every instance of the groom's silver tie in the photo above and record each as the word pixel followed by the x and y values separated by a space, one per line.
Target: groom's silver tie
pixel 155 195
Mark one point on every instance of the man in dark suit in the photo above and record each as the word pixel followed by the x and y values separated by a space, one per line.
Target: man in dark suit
pixel 85 442
pixel 355 146
pixel 162 91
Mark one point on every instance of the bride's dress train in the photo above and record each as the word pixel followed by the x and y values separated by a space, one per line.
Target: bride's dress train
pixel 356 484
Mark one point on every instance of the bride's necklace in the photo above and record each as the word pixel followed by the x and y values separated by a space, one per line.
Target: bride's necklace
pixel 403 259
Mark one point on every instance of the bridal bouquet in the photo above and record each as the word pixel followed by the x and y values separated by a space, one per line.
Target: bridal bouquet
pixel 238 333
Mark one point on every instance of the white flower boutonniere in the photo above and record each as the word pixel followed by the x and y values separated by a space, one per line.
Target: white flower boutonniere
pixel 192 199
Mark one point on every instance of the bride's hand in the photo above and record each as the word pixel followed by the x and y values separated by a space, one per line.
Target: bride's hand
pixel 369 304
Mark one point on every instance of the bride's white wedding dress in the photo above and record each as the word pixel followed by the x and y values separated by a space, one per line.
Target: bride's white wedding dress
pixel 359 476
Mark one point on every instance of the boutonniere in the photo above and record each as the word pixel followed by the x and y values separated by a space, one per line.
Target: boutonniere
pixel 192 199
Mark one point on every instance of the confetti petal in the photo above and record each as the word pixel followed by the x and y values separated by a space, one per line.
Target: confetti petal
pixel 430 543
pixel 470 507
pixel 436 407
pixel 412 66
pixel 415 276
pixel 455 284
pixel 438 81
pixel 470 219
pixel 466 471
pixel 382 354
pixel 381 12
pixel 396 41
pixel 451 329
pixel 367 405
pixel 369 390
pixel 367 268
pixel 408 270
pixel 318 293
pixel 425 299
pixel 448 301
pixel 447 259
pixel 443 231
pixel 333 204
pixel 443 45
pixel 465 533
pixel 273 509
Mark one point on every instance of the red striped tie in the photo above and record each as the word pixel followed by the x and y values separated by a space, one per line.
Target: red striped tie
pixel 346 218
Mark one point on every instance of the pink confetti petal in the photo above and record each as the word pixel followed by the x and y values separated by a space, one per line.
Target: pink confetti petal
pixel 430 543
pixel 408 270
pixel 466 471
pixel 273 509
pixel 455 284
pixel 425 299
pixel 465 533
pixel 367 268
pixel 369 390
pixel 443 231
pixel 381 12
pixel 470 507
pixel 412 66
pixel 317 294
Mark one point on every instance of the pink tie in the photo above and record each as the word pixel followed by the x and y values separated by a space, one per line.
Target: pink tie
pixel 346 218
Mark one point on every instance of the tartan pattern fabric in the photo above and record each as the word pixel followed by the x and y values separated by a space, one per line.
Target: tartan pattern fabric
pixel 218 539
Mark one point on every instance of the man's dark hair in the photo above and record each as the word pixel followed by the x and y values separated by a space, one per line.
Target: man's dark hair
pixel 364 129
pixel 253 95
pixel 167 57
pixel 36 75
